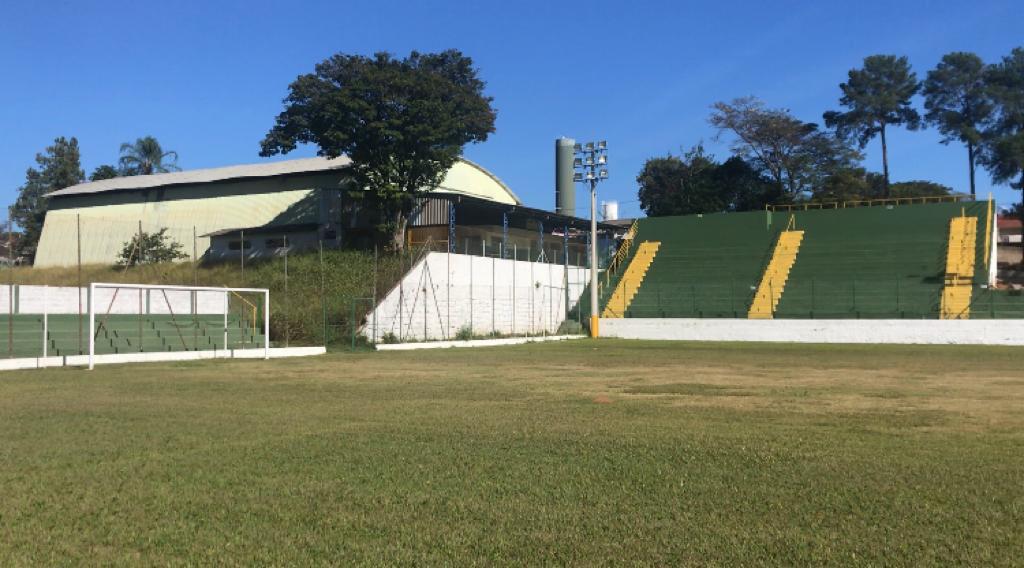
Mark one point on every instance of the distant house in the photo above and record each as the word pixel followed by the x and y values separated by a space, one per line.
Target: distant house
pixel 1009 229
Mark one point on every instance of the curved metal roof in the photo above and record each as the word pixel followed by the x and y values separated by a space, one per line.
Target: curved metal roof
pixel 457 180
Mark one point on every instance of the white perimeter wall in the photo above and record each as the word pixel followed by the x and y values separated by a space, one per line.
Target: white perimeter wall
pixel 447 292
pixel 965 332
pixel 64 300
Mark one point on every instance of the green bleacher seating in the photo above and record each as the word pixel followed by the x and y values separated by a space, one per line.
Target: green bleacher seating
pixel 120 334
pixel 864 262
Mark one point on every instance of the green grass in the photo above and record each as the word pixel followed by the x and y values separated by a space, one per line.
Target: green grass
pixel 584 452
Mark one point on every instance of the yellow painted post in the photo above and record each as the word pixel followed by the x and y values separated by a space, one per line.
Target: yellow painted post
pixel 988 232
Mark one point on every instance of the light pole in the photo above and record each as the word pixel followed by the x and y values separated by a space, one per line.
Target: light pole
pixel 591 159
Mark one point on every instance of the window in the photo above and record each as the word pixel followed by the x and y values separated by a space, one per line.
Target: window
pixel 238 245
pixel 277 242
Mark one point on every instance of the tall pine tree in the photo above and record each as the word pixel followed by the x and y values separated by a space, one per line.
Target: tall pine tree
pixel 59 166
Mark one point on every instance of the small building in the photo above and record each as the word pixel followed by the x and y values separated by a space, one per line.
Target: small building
pixel 1009 228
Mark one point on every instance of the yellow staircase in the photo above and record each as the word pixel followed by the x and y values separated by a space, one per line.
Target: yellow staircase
pixel 766 299
pixel 960 252
pixel 631 280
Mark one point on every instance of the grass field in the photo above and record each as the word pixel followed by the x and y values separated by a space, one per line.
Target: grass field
pixel 584 452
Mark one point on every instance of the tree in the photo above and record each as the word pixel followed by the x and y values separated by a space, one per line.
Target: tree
pixel 877 96
pixel 402 122
pixel 957 102
pixel 794 154
pixel 850 184
pixel 150 248
pixel 695 183
pixel 145 156
pixel 59 166
pixel 919 188
pixel 105 171
pixel 1003 150
pixel 675 185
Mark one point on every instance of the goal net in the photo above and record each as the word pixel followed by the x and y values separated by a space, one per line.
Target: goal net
pixel 152 318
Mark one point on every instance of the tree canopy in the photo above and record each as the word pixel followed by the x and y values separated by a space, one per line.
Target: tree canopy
pixel 877 95
pixel 957 102
pixel 106 171
pixel 402 122
pixel 794 154
pixel 696 183
pixel 1004 139
pixel 145 156
pixel 58 166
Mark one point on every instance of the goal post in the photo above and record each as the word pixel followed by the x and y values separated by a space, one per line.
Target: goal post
pixel 159 317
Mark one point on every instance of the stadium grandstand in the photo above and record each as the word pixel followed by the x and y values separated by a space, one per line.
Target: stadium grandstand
pixel 897 259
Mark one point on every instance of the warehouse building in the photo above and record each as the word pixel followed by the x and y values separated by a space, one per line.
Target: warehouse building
pixel 264 209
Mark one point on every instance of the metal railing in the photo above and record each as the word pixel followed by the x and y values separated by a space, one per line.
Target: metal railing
pixel 868 202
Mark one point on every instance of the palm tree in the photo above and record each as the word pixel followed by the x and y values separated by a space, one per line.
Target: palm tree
pixel 146 157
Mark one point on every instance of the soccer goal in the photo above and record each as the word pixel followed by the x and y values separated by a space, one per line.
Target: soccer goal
pixel 157 318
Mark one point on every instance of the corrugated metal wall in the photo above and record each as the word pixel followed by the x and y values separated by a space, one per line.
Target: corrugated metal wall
pixel 105 229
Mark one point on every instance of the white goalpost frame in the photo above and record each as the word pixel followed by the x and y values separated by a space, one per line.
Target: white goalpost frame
pixel 264 291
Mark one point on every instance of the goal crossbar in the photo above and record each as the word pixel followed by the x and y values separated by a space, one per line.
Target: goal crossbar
pixel 226 291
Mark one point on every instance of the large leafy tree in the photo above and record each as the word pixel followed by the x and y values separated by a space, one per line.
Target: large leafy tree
pixel 957 102
pixel 145 156
pixel 1003 150
pixel 877 96
pixel 794 154
pixel 402 122
pixel 58 166
pixel 696 183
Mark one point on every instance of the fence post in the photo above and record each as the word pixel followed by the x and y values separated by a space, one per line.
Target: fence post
pixel 899 308
pixel 195 257
pixel 46 318
pixel 323 297
pixel 853 286
pixel 470 258
pixel 78 232
pixel 812 298
pixel 494 286
pixel 287 300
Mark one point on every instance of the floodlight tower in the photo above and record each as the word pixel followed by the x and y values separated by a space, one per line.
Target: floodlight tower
pixel 592 160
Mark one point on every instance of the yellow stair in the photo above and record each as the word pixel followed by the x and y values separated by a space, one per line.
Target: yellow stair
pixel 960 252
pixel 766 299
pixel 631 280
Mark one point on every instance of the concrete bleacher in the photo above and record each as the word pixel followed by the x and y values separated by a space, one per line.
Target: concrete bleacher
pixel 121 334
pixel 883 261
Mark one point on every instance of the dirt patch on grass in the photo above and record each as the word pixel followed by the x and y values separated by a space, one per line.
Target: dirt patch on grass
pixel 688 389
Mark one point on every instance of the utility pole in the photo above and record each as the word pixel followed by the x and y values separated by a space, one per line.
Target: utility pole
pixel 591 161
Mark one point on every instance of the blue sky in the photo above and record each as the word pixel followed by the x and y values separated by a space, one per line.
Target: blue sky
pixel 207 78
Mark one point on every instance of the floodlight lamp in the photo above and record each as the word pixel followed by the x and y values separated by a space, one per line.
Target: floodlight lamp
pixel 602 145
pixel 604 174
pixel 602 160
pixel 590 175
pixel 577 163
pixel 590 146
pixel 589 161
pixel 577 147
pixel 577 176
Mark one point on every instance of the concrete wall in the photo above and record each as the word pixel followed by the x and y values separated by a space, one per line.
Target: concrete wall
pixel 64 300
pixel 961 332
pixel 445 293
